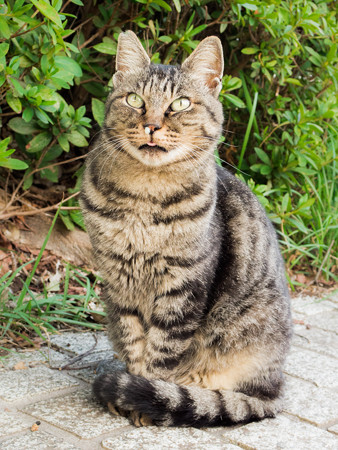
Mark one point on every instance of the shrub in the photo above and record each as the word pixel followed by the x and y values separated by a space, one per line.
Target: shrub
pixel 279 96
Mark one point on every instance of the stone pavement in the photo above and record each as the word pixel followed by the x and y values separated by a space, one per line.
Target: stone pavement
pixel 59 405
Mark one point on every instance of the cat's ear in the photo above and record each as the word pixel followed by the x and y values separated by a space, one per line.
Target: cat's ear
pixel 206 64
pixel 130 55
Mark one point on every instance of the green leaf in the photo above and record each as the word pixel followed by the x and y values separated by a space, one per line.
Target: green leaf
pixel 162 3
pixel 41 115
pixel 51 174
pixel 306 204
pixel 13 102
pixel 77 217
pixel 165 39
pixel 235 100
pixel 285 203
pixel 197 30
pixel 265 170
pixel 39 142
pixel 77 2
pixel 250 6
pixel 69 65
pixel 4 144
pixel 108 46
pixel 28 182
pixel 77 139
pixel 67 220
pixel 250 50
pixel 63 141
pixel 98 111
pixel 13 163
pixel 293 81
pixel 3 49
pixel 4 28
pixel 22 127
pixel 262 156
pixel 17 86
pixel 177 4
pixel 47 11
pixel 28 114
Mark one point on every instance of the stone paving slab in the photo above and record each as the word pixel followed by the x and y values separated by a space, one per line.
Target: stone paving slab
pixel 38 440
pixel 316 339
pixel 79 343
pixel 282 433
pixel 89 373
pixel 321 370
pixel 334 429
pixel 77 413
pixel 12 422
pixel 309 306
pixel 308 402
pixel 21 384
pixel 33 359
pixel 157 438
pixel 326 321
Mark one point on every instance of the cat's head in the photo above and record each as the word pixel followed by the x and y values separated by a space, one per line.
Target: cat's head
pixel 164 114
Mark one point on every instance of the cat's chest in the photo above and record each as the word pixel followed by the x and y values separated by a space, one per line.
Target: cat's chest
pixel 135 227
pixel 148 228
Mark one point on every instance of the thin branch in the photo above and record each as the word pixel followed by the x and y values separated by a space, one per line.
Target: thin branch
pixel 76 358
pixel 57 164
pixel 17 34
pixel 39 211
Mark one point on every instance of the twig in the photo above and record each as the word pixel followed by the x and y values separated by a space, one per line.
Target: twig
pixel 324 89
pixel 39 211
pixel 276 128
pixel 58 164
pixel 24 32
pixel 77 358
pixel 83 23
pixel 101 30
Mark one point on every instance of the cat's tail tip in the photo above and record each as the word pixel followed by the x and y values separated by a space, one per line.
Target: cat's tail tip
pixel 170 404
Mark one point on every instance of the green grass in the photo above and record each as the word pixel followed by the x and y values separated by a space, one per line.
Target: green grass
pixel 28 313
pixel 310 237
pixel 45 312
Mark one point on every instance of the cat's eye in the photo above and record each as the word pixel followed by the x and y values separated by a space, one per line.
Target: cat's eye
pixel 180 104
pixel 135 100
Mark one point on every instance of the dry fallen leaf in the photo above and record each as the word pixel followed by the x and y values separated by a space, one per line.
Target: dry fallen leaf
pixel 298 322
pixel 20 366
pixel 301 278
pixel 34 427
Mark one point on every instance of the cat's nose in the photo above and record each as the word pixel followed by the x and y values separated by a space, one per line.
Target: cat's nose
pixel 150 128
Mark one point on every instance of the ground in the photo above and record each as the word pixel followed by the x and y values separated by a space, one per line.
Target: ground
pixel 57 404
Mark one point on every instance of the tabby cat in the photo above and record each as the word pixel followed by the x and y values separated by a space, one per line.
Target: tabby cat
pixel 197 303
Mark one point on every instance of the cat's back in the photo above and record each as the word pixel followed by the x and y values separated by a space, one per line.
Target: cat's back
pixel 250 256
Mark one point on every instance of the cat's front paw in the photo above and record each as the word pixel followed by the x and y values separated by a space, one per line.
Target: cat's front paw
pixel 116 411
pixel 140 419
pixel 194 379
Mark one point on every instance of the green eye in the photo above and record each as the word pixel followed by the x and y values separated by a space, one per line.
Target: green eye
pixel 180 104
pixel 135 101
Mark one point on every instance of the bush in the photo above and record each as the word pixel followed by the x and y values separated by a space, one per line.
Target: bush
pixel 279 96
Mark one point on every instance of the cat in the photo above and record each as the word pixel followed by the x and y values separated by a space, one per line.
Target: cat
pixel 197 302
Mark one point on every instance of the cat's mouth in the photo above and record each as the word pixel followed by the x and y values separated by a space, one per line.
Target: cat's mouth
pixel 153 148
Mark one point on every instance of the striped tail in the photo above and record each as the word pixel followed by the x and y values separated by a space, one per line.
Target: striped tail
pixel 170 404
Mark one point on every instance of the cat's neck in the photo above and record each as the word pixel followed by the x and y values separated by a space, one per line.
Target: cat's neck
pixel 133 176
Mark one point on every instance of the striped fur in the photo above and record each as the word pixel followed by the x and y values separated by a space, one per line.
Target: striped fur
pixel 196 297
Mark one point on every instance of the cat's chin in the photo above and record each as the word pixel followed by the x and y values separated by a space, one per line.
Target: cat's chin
pixel 155 156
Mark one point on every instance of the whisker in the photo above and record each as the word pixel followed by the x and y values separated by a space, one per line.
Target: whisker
pixel 226 162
